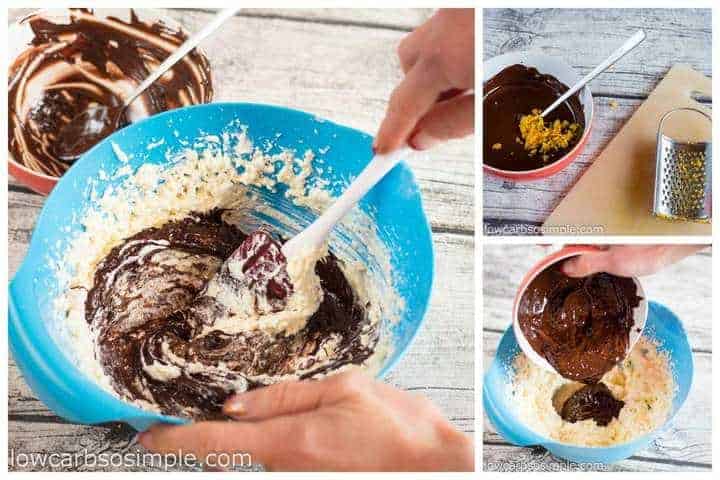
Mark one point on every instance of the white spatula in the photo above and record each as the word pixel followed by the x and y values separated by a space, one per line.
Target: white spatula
pixel 317 232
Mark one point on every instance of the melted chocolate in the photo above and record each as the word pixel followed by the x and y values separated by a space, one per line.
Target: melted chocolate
pixel 592 401
pixel 509 95
pixel 70 67
pixel 581 326
pixel 147 308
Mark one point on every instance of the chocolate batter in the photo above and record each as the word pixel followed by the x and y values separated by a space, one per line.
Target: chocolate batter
pixel 594 401
pixel 91 60
pixel 509 95
pixel 581 326
pixel 154 326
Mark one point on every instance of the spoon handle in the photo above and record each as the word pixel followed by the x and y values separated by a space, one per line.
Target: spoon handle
pixel 315 234
pixel 624 49
pixel 181 51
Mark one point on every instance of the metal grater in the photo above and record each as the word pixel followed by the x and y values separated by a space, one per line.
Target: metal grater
pixel 683 176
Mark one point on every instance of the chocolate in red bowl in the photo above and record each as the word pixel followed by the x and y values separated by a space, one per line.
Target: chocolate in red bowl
pixel 639 313
pixel 64 61
pixel 514 84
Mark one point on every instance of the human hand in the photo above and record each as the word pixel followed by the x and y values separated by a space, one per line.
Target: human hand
pixel 627 260
pixel 431 103
pixel 344 422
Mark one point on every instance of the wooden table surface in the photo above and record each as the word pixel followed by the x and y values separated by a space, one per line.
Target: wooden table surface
pixel 685 288
pixel 339 64
pixel 584 38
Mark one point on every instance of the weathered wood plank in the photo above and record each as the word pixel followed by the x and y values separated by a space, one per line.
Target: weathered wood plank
pixel 585 37
pixel 691 278
pixel 510 458
pixel 687 445
pixel 389 18
pixel 41 438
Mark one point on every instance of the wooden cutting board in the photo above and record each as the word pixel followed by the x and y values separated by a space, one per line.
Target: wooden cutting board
pixel 616 192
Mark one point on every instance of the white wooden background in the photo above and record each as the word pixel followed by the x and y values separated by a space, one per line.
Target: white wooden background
pixel 583 38
pixel 339 64
pixel 685 288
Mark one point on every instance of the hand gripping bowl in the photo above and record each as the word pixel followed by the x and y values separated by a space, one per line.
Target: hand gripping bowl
pixel 401 224
pixel 662 326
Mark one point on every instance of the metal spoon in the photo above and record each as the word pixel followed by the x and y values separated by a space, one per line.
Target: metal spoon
pixel 88 128
pixel 626 47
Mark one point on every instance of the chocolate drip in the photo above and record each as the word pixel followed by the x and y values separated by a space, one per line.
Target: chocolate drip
pixel 91 60
pixel 147 310
pixel 581 326
pixel 509 95
pixel 592 401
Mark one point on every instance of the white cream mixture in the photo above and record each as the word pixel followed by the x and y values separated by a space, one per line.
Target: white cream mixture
pixel 223 172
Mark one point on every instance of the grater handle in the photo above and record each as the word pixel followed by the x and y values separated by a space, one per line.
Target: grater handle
pixel 679 109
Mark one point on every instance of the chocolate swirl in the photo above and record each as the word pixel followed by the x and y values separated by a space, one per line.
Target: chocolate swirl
pixel 154 328
pixel 91 60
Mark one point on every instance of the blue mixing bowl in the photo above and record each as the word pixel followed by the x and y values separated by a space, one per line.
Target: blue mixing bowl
pixel 662 326
pixel 395 204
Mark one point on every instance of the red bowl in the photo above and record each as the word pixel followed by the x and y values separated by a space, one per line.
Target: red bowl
pixel 20 35
pixel 36 181
pixel 567 75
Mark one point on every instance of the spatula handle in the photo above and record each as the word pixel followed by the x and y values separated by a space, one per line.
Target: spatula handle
pixel 314 235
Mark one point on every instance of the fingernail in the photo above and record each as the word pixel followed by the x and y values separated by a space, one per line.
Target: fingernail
pixel 234 408
pixel 422 141
pixel 569 267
